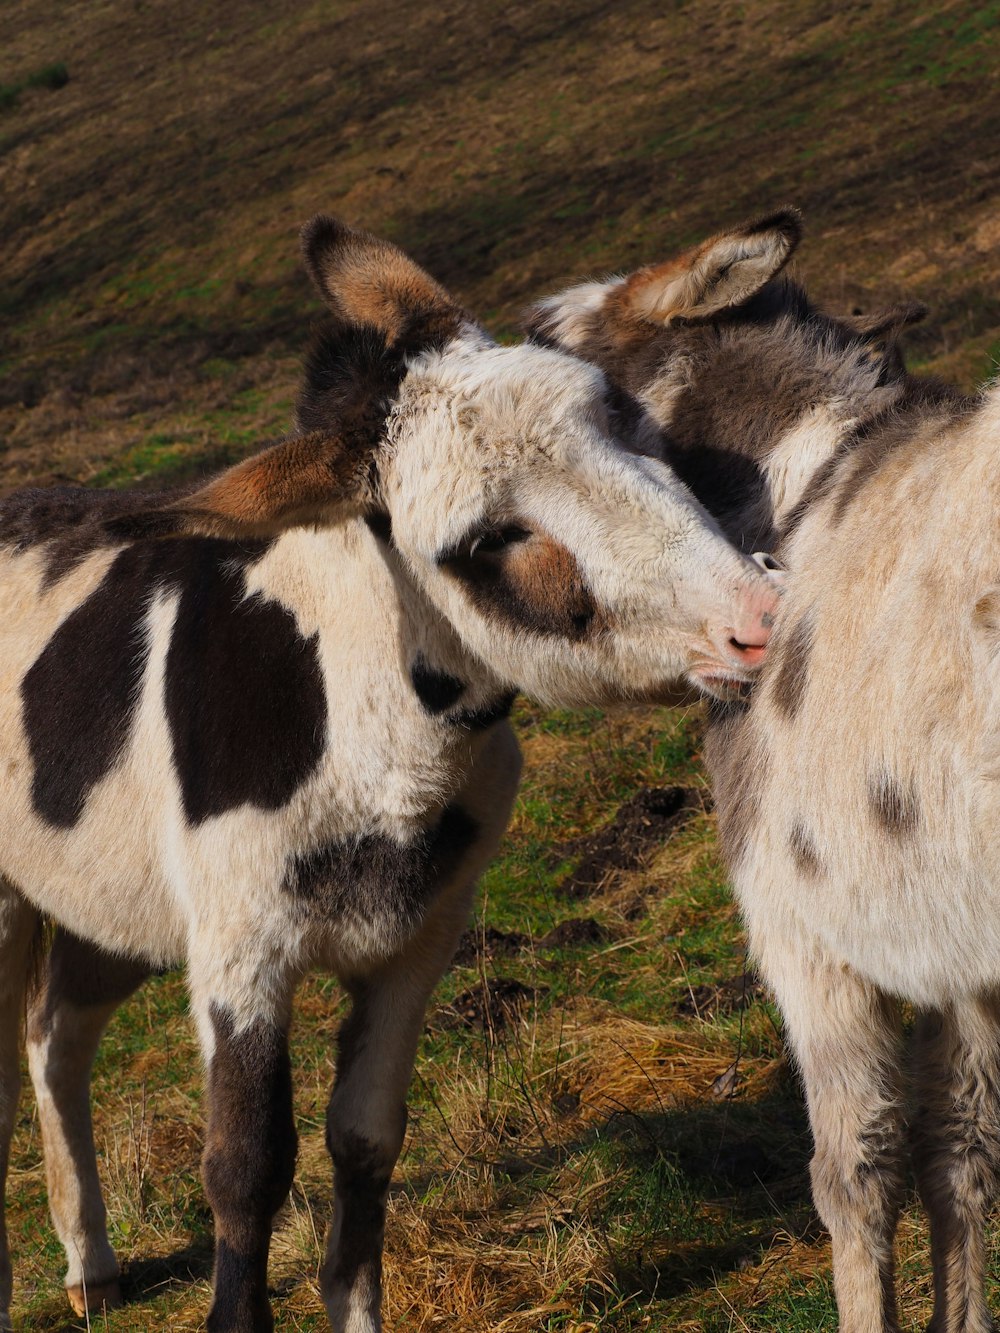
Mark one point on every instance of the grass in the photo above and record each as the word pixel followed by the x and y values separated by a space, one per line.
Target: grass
pixel 567 1167
pixel 53 77
pixel 572 1168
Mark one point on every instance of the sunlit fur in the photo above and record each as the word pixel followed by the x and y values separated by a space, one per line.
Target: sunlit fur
pixel 367 582
pixel 859 793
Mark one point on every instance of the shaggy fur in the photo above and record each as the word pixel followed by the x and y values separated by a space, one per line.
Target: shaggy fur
pixel 857 793
pixel 257 727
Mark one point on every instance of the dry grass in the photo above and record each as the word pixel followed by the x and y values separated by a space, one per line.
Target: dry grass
pixel 571 1168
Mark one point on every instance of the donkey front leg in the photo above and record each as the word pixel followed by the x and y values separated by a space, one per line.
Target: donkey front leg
pixel 18 922
pixel 956 1149
pixel 82 986
pixel 243 1009
pixel 846 1038
pixel 366 1118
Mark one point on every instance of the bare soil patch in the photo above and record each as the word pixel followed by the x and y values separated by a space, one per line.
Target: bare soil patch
pixel 643 823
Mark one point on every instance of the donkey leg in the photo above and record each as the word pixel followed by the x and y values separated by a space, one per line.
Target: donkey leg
pixel 243 1008
pixel 81 989
pixel 366 1118
pixel 956 1142
pixel 18 923
pixel 846 1039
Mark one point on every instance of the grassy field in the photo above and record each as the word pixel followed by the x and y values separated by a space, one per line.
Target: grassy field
pixel 605 1133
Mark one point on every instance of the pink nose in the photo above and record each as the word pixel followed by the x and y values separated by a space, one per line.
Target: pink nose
pixel 747 638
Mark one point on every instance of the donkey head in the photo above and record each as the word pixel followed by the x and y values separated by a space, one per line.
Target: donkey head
pixel 750 386
pixel 496 479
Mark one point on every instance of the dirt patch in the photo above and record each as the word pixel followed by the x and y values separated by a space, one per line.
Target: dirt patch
pixel 575 933
pixel 641 825
pixel 491 943
pixel 492 1005
pixel 720 997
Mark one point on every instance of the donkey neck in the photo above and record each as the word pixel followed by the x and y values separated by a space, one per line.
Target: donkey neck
pixel 351 586
pixel 750 408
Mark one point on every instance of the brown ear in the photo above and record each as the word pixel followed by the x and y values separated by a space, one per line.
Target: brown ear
pixel 305 479
pixel 722 272
pixel 367 281
pixel 882 326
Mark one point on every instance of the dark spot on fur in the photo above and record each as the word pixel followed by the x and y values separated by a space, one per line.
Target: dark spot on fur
pixel 533 583
pixel 895 808
pixel 80 693
pixel 81 974
pixel 486 715
pixel 379 883
pixel 361 1184
pixel 740 774
pixel 436 690
pixel 244 693
pixel 791 653
pixel 729 485
pixel 804 852
pixel 71 522
pixel 249 1162
pixel 380 525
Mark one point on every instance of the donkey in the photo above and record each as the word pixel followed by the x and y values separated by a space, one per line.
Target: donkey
pixel 258 726
pixel 857 790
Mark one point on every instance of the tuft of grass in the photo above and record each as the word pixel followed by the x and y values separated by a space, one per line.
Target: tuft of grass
pixel 53 77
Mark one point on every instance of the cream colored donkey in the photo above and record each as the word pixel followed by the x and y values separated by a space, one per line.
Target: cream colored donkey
pixel 859 791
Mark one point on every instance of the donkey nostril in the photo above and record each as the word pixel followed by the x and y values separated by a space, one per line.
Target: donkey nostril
pixel 765 560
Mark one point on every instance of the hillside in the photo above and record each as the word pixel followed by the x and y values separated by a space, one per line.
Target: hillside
pixel 605 1133
pixel 151 303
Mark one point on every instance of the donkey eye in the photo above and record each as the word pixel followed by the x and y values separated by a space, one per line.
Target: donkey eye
pixel 495 539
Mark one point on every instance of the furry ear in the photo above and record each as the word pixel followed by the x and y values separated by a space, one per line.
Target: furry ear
pixel 718 274
pixel 369 282
pixel 881 326
pixel 305 479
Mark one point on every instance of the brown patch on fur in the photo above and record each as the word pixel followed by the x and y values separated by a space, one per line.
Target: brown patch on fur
pixel 804 852
pixel 792 675
pixel 895 809
pixel 986 612
pixel 545 576
pixel 302 479
pixel 534 584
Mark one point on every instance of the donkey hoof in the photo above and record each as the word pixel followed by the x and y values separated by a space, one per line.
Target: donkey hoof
pixel 94 1295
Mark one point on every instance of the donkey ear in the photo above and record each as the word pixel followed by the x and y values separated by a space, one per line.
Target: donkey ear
pixel 883 326
pixel 305 479
pixel 369 282
pixel 722 272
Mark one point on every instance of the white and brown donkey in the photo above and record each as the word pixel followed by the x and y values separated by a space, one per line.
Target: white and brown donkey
pixel 859 792
pixel 258 727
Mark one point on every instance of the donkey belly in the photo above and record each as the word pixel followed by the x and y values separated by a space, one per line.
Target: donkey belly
pixel 924 927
